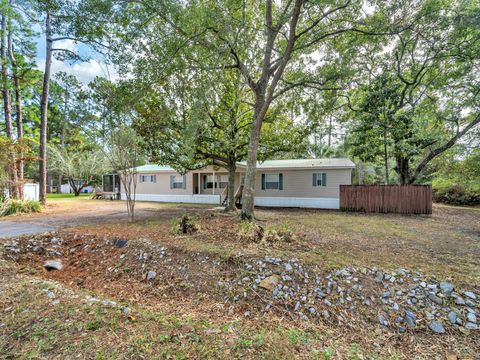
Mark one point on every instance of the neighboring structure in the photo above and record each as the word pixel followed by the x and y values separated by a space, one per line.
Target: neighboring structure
pixel 67 189
pixel 307 183
pixel 31 191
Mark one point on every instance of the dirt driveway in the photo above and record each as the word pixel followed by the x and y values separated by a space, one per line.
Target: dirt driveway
pixel 66 213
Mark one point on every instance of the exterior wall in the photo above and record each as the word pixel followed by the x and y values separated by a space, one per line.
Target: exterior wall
pixel 298 183
pixel 298 190
pixel 162 185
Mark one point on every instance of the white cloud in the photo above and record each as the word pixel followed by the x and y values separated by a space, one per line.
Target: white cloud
pixel 84 71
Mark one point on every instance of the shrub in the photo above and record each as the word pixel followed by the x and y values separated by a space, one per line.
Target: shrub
pixel 268 236
pixel 11 207
pixel 455 194
pixel 186 225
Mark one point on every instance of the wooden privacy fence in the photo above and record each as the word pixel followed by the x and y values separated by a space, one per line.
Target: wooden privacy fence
pixel 402 199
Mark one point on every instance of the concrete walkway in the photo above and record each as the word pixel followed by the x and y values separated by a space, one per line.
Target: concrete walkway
pixel 11 229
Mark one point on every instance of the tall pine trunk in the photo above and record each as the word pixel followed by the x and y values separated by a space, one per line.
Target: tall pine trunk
pixel 42 161
pixel 18 113
pixel 7 109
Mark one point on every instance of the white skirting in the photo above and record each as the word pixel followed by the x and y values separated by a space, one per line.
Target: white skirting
pixel 192 199
pixel 316 203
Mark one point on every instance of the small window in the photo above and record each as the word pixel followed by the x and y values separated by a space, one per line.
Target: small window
pixel 319 179
pixel 148 178
pixel 221 181
pixel 177 182
pixel 272 181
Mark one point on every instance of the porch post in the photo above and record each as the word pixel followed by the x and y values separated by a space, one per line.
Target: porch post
pixel 213 191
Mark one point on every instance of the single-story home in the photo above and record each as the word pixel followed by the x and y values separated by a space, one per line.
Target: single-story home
pixel 306 183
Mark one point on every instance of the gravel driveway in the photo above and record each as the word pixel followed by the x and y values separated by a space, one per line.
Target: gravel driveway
pixel 11 229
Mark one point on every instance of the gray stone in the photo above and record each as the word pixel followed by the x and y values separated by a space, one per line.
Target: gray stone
pixel 395 306
pixel 470 295
pixel 471 326
pixel 435 299
pixel 402 329
pixel 437 327
pixel 452 316
pixel 325 314
pixel 288 267
pixel 410 318
pixel 379 277
pixel 471 318
pixel 446 287
pixel 312 311
pixel 151 275
pixel 459 300
pixel 383 320
pixel 53 265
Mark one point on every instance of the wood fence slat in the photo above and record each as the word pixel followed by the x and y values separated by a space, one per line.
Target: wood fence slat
pixel 402 199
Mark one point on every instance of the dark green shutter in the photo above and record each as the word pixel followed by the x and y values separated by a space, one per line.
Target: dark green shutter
pixel 280 181
pixel 263 181
pixel 184 181
pixel 314 182
pixel 324 179
pixel 204 182
pixel 171 181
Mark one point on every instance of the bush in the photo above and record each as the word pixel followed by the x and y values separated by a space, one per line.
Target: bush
pixel 455 194
pixel 268 236
pixel 186 225
pixel 11 207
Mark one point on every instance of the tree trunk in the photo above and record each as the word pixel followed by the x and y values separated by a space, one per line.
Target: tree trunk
pixel 249 185
pixel 42 161
pixel 18 113
pixel 7 109
pixel 232 167
pixel 385 158
pixel 62 134
pixel 403 170
pixel 360 172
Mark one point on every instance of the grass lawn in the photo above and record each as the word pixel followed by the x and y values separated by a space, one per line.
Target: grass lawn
pixel 53 196
pixel 186 312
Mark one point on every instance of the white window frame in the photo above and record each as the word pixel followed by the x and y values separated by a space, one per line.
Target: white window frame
pixel 277 182
pixel 148 178
pixel 319 178
pixel 177 182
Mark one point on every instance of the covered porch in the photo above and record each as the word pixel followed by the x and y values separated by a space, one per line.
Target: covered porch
pixel 211 183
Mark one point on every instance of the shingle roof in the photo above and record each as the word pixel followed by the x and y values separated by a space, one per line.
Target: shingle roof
pixel 305 163
pixel 274 164
pixel 153 167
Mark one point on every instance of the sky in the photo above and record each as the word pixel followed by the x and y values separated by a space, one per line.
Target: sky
pixel 85 71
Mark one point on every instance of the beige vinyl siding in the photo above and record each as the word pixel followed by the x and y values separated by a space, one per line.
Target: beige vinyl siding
pixel 162 185
pixel 298 183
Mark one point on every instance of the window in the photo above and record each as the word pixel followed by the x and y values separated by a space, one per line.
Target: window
pixel 319 179
pixel 221 181
pixel 148 178
pixel 177 182
pixel 272 181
